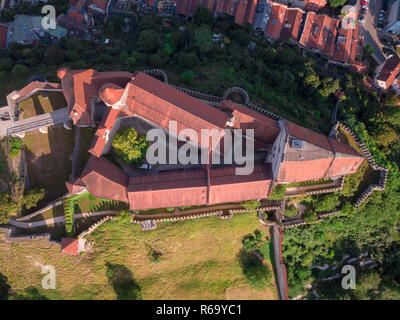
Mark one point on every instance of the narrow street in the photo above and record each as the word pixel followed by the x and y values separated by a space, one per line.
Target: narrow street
pixel 368 31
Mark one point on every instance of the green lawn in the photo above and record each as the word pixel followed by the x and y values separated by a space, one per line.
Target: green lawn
pixel 38 104
pixel 199 261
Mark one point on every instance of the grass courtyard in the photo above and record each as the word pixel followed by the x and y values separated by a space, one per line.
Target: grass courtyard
pixel 41 103
pixel 199 261
pixel 49 159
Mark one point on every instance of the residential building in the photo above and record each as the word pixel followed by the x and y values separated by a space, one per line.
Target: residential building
pixel 393 24
pixel 387 72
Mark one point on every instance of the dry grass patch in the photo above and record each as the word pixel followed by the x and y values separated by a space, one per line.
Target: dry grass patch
pixel 199 260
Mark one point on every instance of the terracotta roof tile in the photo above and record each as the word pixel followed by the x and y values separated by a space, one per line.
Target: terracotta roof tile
pixel 226 186
pixel 105 180
pixel 166 190
pixel 276 20
pixel 265 129
pixel 159 103
pixel 291 26
pixel 389 71
pixel 70 246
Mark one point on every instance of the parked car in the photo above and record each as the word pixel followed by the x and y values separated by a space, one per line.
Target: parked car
pixel 145 166
pixel 361 19
pixel 364 2
pixel 5 116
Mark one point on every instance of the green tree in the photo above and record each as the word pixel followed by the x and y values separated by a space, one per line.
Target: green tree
pixel 278 192
pixel 202 39
pixel 291 211
pixel 32 198
pixel 251 205
pixel 130 62
pixel 130 147
pixel 4 287
pixel 148 41
pixel 187 77
pixel 203 15
pixel 20 70
pixel 326 202
pixel 337 3
pixel 7 207
pixel 15 146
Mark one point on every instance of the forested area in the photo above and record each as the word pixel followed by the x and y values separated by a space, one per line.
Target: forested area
pixel 283 80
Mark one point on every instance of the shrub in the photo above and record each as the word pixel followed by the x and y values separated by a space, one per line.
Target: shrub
pixel 15 146
pixel 130 147
pixel 20 70
pixel 310 216
pixel 278 192
pixel 251 205
pixel 187 77
pixel 291 211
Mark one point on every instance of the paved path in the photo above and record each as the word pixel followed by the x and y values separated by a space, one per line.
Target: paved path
pixel 181 213
pixel 43 120
pixel 369 32
pixel 279 266
pixel 29 225
pixel 298 190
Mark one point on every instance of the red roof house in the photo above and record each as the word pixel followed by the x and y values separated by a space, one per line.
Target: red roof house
pixel 387 73
pixel 291 26
pixel 276 20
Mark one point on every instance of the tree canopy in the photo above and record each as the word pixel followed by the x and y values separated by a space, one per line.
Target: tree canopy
pixel 129 146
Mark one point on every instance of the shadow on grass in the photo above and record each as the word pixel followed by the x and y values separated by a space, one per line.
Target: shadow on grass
pixel 4 287
pixel 258 275
pixel 120 277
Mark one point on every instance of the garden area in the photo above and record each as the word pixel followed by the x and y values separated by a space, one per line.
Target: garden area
pixel 41 103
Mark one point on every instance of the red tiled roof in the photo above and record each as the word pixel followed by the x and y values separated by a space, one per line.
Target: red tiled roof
pixel 159 103
pixel 75 186
pixel 315 4
pixel 265 129
pixel 36 86
pixel 69 246
pixel 291 26
pixel 3 35
pixel 111 93
pixel 226 186
pixel 76 3
pixel 389 71
pixel 343 46
pixel 80 86
pixel 75 15
pixel 276 20
pixel 102 4
pixel 325 157
pixel 319 33
pixel 105 180
pixel 166 190
pixel 245 11
pixel 100 139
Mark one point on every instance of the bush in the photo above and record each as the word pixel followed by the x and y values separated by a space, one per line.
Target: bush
pixel 20 70
pixel 278 192
pixel 251 205
pixel 187 77
pixel 130 147
pixel 15 146
pixel 291 211
pixel 310 216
